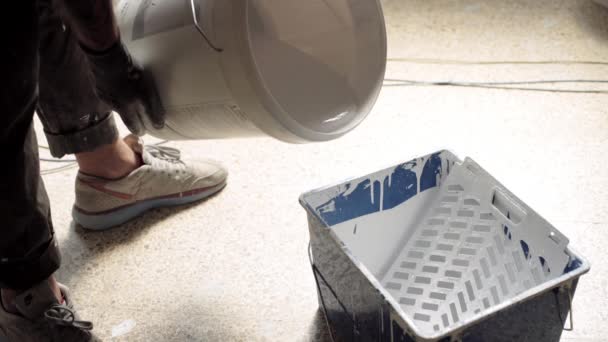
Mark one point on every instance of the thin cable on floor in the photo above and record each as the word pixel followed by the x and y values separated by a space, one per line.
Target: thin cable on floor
pixel 491 62
pixel 507 82
pixel 501 85
pixel 58 169
pixel 56 160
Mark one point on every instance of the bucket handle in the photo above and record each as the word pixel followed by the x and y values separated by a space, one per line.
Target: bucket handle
pixel 200 29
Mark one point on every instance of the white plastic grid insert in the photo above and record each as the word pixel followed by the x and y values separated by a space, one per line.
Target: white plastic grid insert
pixel 476 248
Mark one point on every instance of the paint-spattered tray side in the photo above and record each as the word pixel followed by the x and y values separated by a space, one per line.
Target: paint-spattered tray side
pixel 361 228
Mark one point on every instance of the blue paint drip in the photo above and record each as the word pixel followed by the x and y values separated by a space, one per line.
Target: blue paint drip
pixel 526 249
pixel 573 264
pixel 430 172
pixel 543 262
pixel 507 232
pixel 353 205
pixel 403 186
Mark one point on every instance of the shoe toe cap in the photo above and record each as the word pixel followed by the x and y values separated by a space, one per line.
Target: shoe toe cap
pixel 208 173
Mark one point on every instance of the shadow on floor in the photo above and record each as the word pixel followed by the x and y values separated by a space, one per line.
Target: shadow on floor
pixel 171 323
pixel 84 246
pixel 319 331
pixel 592 17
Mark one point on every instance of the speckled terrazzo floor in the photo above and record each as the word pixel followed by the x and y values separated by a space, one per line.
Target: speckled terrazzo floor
pixel 234 268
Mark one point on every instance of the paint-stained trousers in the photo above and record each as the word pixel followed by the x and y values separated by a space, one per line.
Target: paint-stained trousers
pixel 43 70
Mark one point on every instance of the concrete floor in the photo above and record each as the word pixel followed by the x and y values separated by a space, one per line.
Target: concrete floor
pixel 235 268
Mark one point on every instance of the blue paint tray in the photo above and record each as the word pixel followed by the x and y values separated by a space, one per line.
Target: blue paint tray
pixel 437 249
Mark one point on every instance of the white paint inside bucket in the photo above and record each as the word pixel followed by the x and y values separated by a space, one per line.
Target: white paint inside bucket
pixel 380 237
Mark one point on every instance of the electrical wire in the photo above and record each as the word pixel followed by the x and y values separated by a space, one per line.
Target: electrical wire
pixel 58 169
pixel 55 160
pixel 501 85
pixel 507 82
pixel 497 62
pixel 162 142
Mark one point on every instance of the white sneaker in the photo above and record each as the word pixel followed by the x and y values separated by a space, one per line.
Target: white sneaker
pixel 164 180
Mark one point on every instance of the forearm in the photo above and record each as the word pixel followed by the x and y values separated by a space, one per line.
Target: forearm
pixel 92 21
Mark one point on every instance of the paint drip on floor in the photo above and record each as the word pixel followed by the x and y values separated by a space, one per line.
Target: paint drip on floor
pixel 123 328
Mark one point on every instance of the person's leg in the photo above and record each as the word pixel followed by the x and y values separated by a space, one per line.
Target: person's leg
pixel 75 120
pixel 111 161
pixel 94 22
pixel 118 179
pixel 28 251
pixel 119 79
pixel 33 306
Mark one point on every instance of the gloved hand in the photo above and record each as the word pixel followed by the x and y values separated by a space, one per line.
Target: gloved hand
pixel 127 88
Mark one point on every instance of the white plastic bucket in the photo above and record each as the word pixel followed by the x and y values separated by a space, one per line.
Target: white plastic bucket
pixel 297 70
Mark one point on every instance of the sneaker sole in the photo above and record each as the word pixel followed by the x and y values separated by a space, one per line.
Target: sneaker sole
pixel 103 221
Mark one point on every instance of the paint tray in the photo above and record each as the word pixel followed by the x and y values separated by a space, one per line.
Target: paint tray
pixel 437 249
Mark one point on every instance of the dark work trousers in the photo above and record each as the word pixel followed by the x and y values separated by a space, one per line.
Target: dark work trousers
pixel 43 70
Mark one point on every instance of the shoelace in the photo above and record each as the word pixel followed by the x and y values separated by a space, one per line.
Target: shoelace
pixel 165 153
pixel 65 316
